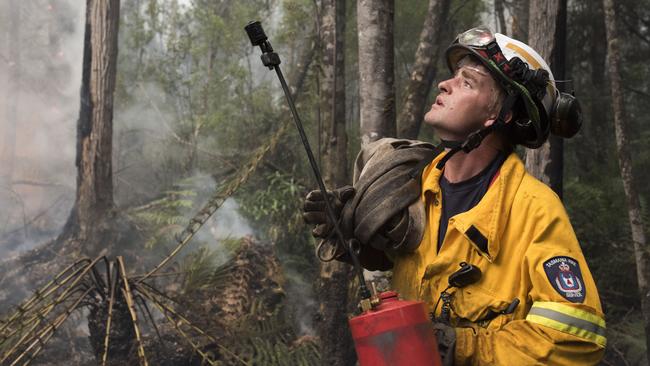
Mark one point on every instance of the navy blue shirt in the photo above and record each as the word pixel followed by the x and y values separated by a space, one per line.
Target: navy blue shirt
pixel 463 196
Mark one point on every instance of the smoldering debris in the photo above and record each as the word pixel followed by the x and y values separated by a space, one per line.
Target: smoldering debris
pixel 233 316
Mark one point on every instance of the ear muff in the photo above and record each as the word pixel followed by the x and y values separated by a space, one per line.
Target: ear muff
pixel 523 131
pixel 566 117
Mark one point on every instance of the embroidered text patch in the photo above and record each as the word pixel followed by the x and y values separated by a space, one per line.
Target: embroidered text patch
pixel 566 278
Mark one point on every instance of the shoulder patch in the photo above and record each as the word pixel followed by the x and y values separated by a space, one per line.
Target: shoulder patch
pixel 566 278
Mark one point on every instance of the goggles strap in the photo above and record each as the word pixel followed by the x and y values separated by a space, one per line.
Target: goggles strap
pixel 495 54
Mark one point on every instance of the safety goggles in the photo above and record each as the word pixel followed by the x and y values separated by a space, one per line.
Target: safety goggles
pixel 483 42
pixel 476 37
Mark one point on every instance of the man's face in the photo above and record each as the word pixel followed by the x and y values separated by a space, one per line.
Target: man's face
pixel 466 102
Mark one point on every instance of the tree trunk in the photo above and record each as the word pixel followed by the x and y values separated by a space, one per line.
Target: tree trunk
pixel 597 132
pixel 501 19
pixel 547 29
pixel 334 135
pixel 376 69
pixel 94 200
pixel 424 69
pixel 625 163
pixel 334 279
pixel 559 67
pixel 520 16
pixel 334 300
pixel 8 153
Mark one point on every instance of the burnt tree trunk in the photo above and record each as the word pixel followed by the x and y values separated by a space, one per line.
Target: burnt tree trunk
pixel 625 163
pixel 89 219
pixel 548 37
pixel 334 277
pixel 376 69
pixel 424 70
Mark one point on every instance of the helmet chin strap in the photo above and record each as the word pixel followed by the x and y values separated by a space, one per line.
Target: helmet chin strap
pixel 450 144
pixel 475 138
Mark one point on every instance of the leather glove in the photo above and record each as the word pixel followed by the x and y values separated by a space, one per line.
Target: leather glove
pixel 446 336
pixel 315 211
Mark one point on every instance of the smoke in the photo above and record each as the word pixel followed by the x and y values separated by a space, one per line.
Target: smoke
pixel 40 73
pixel 226 223
pixel 41 49
pixel 302 304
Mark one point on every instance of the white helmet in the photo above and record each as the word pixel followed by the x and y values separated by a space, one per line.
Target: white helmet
pixel 528 81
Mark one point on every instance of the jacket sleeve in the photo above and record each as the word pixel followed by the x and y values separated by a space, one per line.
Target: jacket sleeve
pixel 561 322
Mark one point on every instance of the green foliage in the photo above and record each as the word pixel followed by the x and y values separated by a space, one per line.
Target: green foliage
pixel 272 342
pixel 185 71
pixel 230 244
pixel 595 214
pixel 200 272
pixel 277 210
pixel 280 199
pixel 626 339
pixel 298 17
pixel 163 218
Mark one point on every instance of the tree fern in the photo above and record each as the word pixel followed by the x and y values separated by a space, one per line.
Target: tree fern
pixel 244 299
pixel 166 216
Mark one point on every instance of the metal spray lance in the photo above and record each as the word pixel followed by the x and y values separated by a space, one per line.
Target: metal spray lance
pixel 272 61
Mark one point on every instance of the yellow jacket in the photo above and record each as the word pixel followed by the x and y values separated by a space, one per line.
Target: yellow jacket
pixel 520 237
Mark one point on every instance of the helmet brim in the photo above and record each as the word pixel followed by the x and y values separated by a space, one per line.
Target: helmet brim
pixel 456 52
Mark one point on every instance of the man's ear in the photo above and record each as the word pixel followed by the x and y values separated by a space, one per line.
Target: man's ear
pixel 509 116
pixel 490 121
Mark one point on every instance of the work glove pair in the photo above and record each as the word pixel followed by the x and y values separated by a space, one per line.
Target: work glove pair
pixel 328 248
pixel 315 213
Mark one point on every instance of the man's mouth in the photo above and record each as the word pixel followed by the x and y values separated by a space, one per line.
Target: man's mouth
pixel 439 101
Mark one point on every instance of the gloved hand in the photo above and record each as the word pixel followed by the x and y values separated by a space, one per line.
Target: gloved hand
pixel 315 212
pixel 446 336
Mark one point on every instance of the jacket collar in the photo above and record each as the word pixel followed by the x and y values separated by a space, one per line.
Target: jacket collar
pixel 484 224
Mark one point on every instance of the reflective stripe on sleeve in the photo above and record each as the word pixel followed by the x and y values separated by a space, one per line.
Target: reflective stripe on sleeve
pixel 570 320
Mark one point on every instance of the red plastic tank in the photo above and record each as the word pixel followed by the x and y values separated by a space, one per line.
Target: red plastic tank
pixel 395 333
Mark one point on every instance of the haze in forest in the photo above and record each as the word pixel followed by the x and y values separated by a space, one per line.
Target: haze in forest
pixel 41 48
pixel 40 70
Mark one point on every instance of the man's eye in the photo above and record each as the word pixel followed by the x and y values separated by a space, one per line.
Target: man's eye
pixel 467 84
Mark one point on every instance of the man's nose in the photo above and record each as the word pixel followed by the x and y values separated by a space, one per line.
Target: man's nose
pixel 445 86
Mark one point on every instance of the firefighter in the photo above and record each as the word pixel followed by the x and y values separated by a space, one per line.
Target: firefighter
pixel 531 298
